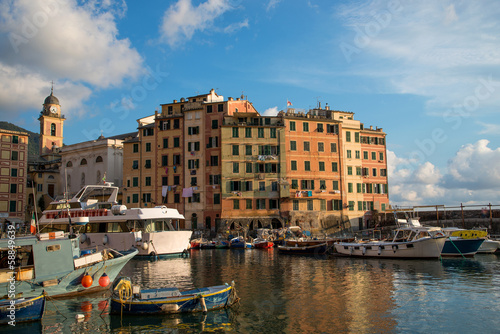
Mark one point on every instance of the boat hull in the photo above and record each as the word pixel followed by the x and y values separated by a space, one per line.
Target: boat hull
pixel 489 246
pixel 219 297
pixel 304 250
pixel 424 248
pixel 461 247
pixel 22 310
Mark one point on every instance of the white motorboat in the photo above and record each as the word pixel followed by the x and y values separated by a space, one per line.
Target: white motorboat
pixel 489 246
pixel 407 242
pixel 154 231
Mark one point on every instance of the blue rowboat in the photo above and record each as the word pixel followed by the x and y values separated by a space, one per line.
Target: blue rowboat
pixel 17 310
pixel 169 300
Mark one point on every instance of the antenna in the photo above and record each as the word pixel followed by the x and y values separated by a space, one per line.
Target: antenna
pixel 52 88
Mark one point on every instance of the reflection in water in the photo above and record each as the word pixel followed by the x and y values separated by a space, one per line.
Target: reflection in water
pixel 289 294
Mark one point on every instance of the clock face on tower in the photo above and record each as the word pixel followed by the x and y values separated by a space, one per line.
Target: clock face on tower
pixel 53 109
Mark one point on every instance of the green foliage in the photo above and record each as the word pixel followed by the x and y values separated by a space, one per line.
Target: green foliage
pixel 33 140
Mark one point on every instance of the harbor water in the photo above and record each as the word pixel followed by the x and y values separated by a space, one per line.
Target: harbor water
pixel 301 294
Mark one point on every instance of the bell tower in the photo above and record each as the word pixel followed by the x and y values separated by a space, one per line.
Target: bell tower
pixel 51 125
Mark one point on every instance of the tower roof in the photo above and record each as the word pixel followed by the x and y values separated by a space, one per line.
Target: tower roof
pixel 51 99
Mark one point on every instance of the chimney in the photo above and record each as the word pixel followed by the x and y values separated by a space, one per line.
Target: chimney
pixel 175 101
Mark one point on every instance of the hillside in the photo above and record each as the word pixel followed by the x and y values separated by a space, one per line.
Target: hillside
pixel 33 141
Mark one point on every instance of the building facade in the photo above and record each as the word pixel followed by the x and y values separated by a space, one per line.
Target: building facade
pixel 13 175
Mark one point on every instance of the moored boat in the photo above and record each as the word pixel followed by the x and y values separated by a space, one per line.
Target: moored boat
pixel 239 242
pixel 14 310
pixel 407 242
pixel 53 263
pixel 262 243
pixel 320 248
pixel 128 299
pixel 462 242
pixel 153 231
pixel 489 246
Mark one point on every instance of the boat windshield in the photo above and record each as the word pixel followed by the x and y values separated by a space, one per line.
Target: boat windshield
pixel 152 225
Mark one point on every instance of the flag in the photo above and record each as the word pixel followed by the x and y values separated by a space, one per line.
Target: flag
pixel 288 103
pixel 33 226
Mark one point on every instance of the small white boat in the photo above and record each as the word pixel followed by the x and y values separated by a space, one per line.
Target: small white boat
pixel 408 242
pixel 489 246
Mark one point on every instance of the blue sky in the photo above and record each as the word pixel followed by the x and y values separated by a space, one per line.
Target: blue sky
pixel 427 72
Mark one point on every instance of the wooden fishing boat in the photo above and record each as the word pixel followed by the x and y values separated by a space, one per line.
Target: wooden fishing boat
pixel 17 310
pixel 262 243
pixel 320 248
pixel 239 242
pixel 128 299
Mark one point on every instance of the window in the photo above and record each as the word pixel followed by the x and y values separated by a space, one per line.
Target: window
pixel 214 160
pixel 248 132
pixel 148 181
pixel 148 132
pixel 164 180
pixel 177 142
pixel 335 185
pixel 293 165
pixel 334 167
pixel 349 170
pixel 13 188
pixel 295 205
pixel 273 204
pixel 305 127
pixel 307 184
pixel 216 198
pixel 383 172
pixel 260 132
pixel 351 205
pixel 98 159
pixel 164 160
pixel 321 166
pixel 15 139
pixel 307 165
pixel 236 167
pixel 365 155
pixel 236 150
pixel 273 132
pixel 135 182
pixel 193 163
pixel 214 179
pixel 135 164
pixel 135 198
pixel 235 133
pixel 332 128
pixel 176 124
pixel 293 145
pixel 177 198
pixel 356 137
pixel 12 206
pixel 261 204
pixel 248 185
pixel 135 148
pixel 52 129
pixel 359 188
pixel 358 171
pixel 177 180
pixel 349 155
pixel 209 109
pixel 306 146
pixel 248 168
pixel 248 149
pixel 357 154
pixel 349 187
pixel 337 204
pixel 321 147
pixel 262 186
pixel 69 164
pixel 292 125
pixel 236 204
pixel 322 184
pixel 322 204
pixel 194 181
pixel 381 156
pixel 220 108
pixel 146 197
pixel 295 184
pixel 319 127
pixel 193 130
pixel 374 155
pixel 333 147
pixel 348 136
pixel 249 204
pixel 374 171
pixel 310 205
pixel 382 206
pixel 148 163
pixel 13 172
pixel 148 147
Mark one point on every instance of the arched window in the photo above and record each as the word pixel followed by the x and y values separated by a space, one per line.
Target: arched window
pixel 83 162
pixel 69 164
pixel 51 177
pixel 52 129
pixel 82 181
pixel 98 159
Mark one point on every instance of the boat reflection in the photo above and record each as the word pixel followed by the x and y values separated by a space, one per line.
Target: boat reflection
pixel 213 321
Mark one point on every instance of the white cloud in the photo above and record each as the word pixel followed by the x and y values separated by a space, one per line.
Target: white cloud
pixel 488 128
pixel 272 4
pixel 236 26
pixel 182 19
pixel 270 112
pixel 471 178
pixel 76 46
pixel 430 49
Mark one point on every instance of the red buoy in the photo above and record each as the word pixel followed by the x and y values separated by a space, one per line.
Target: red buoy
pixel 87 281
pixel 104 280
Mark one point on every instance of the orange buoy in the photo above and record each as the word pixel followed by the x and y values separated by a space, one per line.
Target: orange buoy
pixel 87 281
pixel 104 280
